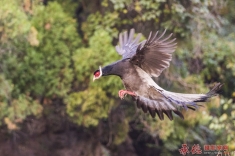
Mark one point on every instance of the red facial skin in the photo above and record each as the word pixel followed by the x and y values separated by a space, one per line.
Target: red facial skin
pixel 97 74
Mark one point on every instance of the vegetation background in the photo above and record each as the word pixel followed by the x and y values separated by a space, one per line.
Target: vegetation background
pixel 49 50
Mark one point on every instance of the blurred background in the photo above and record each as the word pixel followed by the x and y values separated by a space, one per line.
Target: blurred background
pixel 49 50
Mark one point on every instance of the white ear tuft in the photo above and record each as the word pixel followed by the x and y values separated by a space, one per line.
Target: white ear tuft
pixel 100 72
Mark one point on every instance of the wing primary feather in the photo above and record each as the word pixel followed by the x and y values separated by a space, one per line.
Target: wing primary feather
pixel 158 114
pixel 132 31
pixel 166 38
pixel 136 40
pixel 178 113
pixel 144 108
pixel 169 114
pixel 152 112
pixel 120 40
pixel 161 116
pixel 170 41
pixel 154 37
pixel 150 34
pixel 125 38
pixel 192 108
pixel 139 103
pixel 161 35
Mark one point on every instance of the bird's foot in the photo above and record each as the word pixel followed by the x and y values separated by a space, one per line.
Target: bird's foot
pixel 122 93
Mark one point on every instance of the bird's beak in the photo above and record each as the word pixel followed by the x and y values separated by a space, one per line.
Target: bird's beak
pixel 94 78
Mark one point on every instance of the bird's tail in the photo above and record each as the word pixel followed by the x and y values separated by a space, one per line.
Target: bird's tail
pixel 189 100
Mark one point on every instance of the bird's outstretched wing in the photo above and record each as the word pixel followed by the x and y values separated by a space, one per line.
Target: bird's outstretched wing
pixel 155 54
pixel 167 102
pixel 128 44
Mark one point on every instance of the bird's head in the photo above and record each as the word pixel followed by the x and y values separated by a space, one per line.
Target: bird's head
pixel 97 73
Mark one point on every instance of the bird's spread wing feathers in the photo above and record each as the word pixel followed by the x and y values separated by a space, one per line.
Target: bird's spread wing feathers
pixel 152 55
pixel 158 106
pixel 156 100
pixel 128 44
pixel 170 102
pixel 155 55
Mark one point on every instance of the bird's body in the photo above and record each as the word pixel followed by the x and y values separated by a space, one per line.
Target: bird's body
pixel 142 61
pixel 130 73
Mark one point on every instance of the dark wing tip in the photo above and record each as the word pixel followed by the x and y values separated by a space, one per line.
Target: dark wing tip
pixel 152 112
pixel 169 114
pixel 160 112
pixel 144 108
pixel 179 114
pixel 214 90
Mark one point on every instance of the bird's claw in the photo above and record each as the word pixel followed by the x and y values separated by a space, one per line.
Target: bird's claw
pixel 123 93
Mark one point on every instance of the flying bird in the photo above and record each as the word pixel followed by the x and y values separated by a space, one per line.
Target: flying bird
pixel 141 61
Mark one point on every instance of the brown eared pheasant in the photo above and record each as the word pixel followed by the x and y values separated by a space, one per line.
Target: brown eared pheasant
pixel 140 62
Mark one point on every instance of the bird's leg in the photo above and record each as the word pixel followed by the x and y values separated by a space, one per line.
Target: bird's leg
pixel 122 93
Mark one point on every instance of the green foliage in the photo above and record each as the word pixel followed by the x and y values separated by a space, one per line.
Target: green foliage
pixel 69 6
pixel 223 123
pixel 14 23
pixel 88 107
pixel 15 110
pixel 181 17
pixel 44 64
pixel 36 60
pixel 219 58
pixel 98 21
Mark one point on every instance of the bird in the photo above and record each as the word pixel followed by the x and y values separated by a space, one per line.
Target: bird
pixel 143 61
